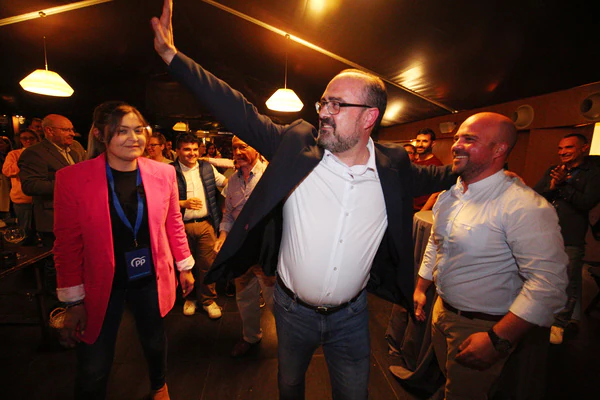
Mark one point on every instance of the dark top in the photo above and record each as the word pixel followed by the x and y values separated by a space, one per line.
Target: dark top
pixel 573 200
pixel 126 190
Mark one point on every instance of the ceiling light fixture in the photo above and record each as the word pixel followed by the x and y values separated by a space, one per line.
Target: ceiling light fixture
pixel 46 82
pixel 285 100
pixel 180 126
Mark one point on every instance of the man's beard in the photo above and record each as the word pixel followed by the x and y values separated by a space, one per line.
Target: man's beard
pixel 332 141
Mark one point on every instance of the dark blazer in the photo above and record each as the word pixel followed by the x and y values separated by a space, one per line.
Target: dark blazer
pixel 292 152
pixel 38 165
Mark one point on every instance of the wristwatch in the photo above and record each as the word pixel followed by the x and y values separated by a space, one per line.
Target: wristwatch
pixel 501 345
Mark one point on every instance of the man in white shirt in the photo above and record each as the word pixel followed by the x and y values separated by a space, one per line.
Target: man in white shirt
pixel 198 198
pixel 332 215
pixel 496 256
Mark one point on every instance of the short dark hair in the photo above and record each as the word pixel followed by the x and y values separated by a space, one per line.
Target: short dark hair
pixel 375 93
pixel 409 145
pixel 186 138
pixel 582 138
pixel 427 131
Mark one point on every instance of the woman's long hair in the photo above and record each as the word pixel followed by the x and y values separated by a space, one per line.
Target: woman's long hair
pixel 106 121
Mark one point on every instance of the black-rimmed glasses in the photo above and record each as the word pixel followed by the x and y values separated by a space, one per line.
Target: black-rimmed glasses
pixel 333 106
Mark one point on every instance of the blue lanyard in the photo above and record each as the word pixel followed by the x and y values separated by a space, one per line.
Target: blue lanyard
pixel 119 209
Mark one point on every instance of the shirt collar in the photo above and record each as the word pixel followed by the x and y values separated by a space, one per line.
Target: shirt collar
pixel 479 186
pixel 357 169
pixel 185 168
pixel 257 167
pixel 60 149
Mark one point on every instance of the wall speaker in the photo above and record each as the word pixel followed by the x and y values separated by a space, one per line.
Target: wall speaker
pixel 447 127
pixel 590 107
pixel 523 116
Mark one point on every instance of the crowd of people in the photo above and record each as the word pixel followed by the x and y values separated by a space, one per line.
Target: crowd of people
pixel 312 219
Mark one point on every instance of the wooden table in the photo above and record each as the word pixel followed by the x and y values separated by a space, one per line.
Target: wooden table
pixel 30 256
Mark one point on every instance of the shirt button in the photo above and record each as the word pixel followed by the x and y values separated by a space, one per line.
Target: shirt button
pixel 341 241
pixel 335 268
pixel 347 214
pixel 328 294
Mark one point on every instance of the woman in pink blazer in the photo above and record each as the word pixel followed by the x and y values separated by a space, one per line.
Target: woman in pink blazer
pixel 118 228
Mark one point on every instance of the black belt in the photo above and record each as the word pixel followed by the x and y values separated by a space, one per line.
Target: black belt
pixel 318 309
pixel 189 221
pixel 472 314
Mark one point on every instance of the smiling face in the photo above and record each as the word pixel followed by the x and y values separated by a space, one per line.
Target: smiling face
pixel 187 154
pixel 480 146
pixel 59 130
pixel 128 143
pixel 571 151
pixel 243 155
pixel 423 144
pixel 343 131
pixel 155 149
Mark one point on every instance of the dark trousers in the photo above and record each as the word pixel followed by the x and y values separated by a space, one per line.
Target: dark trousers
pixel 94 361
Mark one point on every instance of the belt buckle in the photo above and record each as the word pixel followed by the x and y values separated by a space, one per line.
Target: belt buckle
pixel 322 310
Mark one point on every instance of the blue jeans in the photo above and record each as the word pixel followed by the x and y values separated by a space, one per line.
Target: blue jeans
pixel 94 361
pixel 344 336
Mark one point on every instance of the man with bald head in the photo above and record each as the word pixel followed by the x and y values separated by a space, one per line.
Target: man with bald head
pixel 496 256
pixel 38 165
pixel 331 216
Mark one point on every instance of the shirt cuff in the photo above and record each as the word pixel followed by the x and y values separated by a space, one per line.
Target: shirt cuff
pixel 71 293
pixel 185 264
pixel 535 313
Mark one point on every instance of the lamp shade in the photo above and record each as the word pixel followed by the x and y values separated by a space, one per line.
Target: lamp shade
pixel 284 100
pixel 180 127
pixel 43 81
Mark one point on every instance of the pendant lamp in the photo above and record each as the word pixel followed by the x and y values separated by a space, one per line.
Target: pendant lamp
pixel 285 99
pixel 180 126
pixel 46 82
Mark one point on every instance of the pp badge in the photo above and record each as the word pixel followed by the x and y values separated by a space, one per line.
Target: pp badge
pixel 139 263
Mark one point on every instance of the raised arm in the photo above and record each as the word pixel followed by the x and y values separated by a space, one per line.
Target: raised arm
pixel 225 103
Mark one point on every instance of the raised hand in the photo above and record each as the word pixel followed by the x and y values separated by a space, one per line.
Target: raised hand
pixel 163 33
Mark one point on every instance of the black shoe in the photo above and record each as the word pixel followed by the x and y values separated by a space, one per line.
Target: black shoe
pixel 242 348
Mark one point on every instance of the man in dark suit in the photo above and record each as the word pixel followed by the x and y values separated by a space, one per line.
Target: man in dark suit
pixel 38 165
pixel 332 215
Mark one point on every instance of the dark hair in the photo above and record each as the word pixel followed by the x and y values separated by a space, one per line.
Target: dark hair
pixel 582 138
pixel 34 133
pixel 375 94
pixel 410 145
pixel 107 118
pixel 427 131
pixel 186 138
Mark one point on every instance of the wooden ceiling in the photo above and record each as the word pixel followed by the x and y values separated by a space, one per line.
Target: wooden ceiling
pixel 437 56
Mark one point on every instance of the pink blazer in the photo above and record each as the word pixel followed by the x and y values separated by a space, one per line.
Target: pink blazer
pixel 83 251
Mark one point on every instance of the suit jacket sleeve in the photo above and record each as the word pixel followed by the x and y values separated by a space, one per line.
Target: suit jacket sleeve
pixel 36 179
pixel 228 106
pixel 68 247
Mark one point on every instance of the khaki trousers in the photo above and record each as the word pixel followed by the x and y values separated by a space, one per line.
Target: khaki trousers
pixel 448 331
